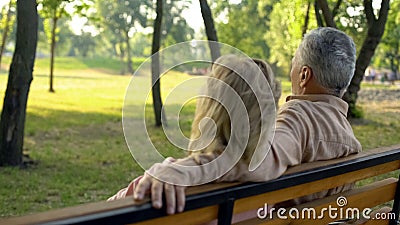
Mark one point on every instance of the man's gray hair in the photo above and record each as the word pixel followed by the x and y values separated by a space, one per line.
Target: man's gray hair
pixel 331 54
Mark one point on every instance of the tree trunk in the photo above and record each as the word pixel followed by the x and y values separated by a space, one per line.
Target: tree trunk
pixel 20 77
pixel 318 14
pixel 5 32
pixel 210 30
pixel 336 8
pixel 306 19
pixel 121 54
pixel 376 27
pixel 155 65
pixel 128 54
pixel 323 4
pixel 52 50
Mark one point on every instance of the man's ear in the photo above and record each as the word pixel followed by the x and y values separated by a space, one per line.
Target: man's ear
pixel 306 74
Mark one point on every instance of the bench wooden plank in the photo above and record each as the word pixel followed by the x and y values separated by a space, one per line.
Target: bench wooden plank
pixel 76 211
pixel 317 164
pixel 245 204
pixel 197 216
pixel 365 197
pixel 368 196
pixel 294 169
pixel 378 222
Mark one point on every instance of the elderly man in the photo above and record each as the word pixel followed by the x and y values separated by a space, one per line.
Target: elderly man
pixel 310 126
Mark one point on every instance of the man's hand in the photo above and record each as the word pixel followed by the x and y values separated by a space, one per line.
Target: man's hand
pixel 174 195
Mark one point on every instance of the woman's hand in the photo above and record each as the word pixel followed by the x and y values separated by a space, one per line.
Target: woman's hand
pixel 174 195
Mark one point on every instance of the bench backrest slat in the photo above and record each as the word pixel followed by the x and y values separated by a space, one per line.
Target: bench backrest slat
pixel 297 191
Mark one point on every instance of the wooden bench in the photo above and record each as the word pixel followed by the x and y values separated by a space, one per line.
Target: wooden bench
pixel 221 201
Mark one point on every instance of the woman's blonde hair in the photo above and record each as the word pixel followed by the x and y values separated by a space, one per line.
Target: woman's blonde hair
pixel 227 69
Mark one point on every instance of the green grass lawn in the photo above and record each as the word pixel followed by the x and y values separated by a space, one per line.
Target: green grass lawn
pixel 75 134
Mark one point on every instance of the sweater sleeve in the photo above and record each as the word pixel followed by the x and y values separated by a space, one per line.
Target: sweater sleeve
pixel 187 171
pixel 285 151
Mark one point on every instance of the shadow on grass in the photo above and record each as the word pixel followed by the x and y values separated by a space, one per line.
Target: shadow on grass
pixel 53 119
pixel 59 181
pixel 82 157
pixel 71 77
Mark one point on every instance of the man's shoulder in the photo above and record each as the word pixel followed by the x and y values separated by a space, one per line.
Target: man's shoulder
pixel 293 111
pixel 314 103
pixel 295 105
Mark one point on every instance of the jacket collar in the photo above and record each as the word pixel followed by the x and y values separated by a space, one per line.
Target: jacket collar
pixel 338 103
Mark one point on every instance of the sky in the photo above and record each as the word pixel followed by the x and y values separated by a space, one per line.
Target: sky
pixel 193 16
pixel 3 2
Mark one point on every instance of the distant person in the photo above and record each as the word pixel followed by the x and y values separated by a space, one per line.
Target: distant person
pixel 384 78
pixel 372 74
pixel 392 78
pixel 310 126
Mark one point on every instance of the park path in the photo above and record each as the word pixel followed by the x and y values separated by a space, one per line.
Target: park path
pixel 377 95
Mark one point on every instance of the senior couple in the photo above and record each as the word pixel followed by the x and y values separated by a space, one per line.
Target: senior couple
pixel 310 126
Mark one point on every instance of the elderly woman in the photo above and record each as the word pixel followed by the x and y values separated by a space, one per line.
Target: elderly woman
pixel 310 126
pixel 237 88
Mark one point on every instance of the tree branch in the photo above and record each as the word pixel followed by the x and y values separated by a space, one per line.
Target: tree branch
pixel 376 28
pixel 306 19
pixel 326 13
pixel 335 10
pixel 155 65
pixel 210 30
pixel 369 13
pixel 383 12
pixel 317 14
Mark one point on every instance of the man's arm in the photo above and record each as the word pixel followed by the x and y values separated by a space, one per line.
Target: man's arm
pixel 283 153
pixel 286 150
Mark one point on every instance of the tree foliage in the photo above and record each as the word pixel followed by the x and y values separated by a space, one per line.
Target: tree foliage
pixel 122 18
pixel 245 27
pixel 284 35
pixel 52 11
pixel 351 19
pixel 83 44
pixel 174 28
pixel 389 49
pixel 6 22
pixel 376 20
